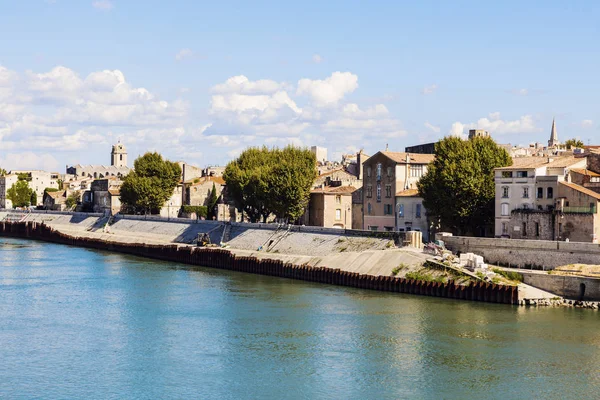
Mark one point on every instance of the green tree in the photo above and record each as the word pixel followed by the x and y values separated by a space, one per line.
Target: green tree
pixel 72 200
pixel 574 143
pixel 212 202
pixel 33 198
pixel 264 181
pixel 20 193
pixel 2 172
pixel 150 184
pixel 458 189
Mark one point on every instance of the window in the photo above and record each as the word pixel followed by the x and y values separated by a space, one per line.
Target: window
pixel 505 192
pixel 504 209
pixel 373 228
pixel 416 170
pixel 388 228
pixel 504 228
pixel 338 199
pixel 378 192
pixel 537 229
pixel 369 208
pixel 507 174
pixel 401 210
pixel 524 229
pixel 121 157
pixel 521 174
pixel 525 192
pixel 525 206
pixel 338 214
pixel 388 191
pixel 378 171
pixel 390 171
pixel 369 191
pixel 418 211
pixel 550 208
pixel 369 171
pixel 540 193
pixel 387 209
pixel 550 193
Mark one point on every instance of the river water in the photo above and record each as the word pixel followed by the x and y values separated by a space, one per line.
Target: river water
pixel 77 323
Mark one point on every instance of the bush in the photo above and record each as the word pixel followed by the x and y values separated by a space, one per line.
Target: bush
pixel 200 211
pixel 425 277
pixel 399 268
pixel 510 275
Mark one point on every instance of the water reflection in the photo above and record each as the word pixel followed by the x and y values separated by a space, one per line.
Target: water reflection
pixel 77 323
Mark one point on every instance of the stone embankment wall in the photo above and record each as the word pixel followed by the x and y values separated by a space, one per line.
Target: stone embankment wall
pixel 569 287
pixel 224 259
pixel 539 254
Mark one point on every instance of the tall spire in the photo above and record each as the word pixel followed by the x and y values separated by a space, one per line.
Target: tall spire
pixel 553 136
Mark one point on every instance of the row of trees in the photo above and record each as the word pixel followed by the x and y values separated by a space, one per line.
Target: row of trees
pixel 263 182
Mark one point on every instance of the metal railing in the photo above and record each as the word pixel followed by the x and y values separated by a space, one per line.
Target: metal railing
pixel 580 210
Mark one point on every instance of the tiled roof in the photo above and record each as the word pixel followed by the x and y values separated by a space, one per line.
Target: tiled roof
pixel 414 157
pixel 408 193
pixel 114 192
pixel 56 195
pixel 335 190
pixel 538 162
pixel 585 172
pixel 581 189
pixel 333 171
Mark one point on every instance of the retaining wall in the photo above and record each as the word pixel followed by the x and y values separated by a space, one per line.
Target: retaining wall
pixel 224 259
pixel 568 287
pixel 540 254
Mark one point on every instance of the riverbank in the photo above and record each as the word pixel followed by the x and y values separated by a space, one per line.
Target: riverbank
pixel 226 259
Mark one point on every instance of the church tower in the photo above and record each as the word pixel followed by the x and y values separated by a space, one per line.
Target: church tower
pixel 118 155
pixel 553 142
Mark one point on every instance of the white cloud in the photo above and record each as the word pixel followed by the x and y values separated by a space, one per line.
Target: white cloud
pixel 429 89
pixel 353 111
pixel 587 123
pixel 317 59
pixel 241 84
pixel 495 125
pixel 434 128
pixel 105 5
pixel 29 160
pixel 330 90
pixel 520 92
pixel 184 54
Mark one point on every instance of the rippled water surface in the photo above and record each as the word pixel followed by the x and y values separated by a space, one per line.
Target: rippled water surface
pixel 76 323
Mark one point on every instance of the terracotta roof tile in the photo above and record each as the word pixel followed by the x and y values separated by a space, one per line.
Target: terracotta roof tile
pixel 538 162
pixel 581 189
pixel 408 193
pixel 585 172
pixel 414 157
pixel 335 190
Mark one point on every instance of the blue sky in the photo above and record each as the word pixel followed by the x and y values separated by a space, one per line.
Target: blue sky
pixel 200 81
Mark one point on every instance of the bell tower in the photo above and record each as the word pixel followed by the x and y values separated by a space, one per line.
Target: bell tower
pixel 118 155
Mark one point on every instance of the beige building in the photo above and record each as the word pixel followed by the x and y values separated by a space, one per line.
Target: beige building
pixel 197 190
pixel 411 215
pixel 118 166
pixel 531 183
pixel 37 180
pixel 331 207
pixel 385 174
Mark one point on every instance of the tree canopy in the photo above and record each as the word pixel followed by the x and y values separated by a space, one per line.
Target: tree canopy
pixel 574 143
pixel 212 202
pixel 20 193
pixel 150 184
pixel 458 189
pixel 263 181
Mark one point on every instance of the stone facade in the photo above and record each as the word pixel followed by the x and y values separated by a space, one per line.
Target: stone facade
pixel 331 207
pixel 117 168
pixel 197 191
pixel 411 214
pixel 385 174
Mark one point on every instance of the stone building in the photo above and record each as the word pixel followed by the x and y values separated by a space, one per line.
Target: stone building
pixel 411 214
pixel 103 196
pixel 56 201
pixel 37 180
pixel 575 217
pixel 473 133
pixel 331 207
pixel 531 183
pixel 118 166
pixel 197 190
pixel 385 174
pixel 320 153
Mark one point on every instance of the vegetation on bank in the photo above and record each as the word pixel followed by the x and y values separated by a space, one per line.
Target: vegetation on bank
pixel 510 275
pixel 458 189
pixel 150 184
pixel 20 194
pixel 263 182
pixel 200 211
